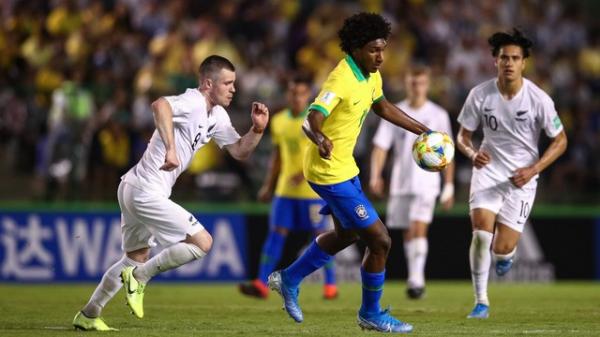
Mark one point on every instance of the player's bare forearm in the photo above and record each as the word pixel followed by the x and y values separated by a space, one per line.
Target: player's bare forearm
pixel 396 116
pixel 465 145
pixel 556 148
pixel 163 120
pixel 312 128
pixel 449 173
pixel 242 149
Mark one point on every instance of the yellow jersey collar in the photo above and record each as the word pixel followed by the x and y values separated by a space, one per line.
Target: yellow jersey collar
pixel 355 69
pixel 303 114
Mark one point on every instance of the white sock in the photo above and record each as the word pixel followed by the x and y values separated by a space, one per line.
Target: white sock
pixel 408 253
pixel 416 263
pixel 169 258
pixel 108 287
pixel 500 257
pixel 480 259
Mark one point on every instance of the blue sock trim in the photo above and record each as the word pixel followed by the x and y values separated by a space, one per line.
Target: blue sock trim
pixel 372 289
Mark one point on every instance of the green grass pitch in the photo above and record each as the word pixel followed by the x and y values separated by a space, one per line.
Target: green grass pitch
pixel 559 309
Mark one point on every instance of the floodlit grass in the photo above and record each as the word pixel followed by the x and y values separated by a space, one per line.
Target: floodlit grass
pixel 560 309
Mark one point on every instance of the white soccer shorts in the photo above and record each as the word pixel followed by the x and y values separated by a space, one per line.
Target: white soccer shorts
pixel 146 217
pixel 406 208
pixel 511 205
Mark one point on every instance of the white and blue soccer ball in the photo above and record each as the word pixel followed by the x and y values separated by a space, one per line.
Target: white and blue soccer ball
pixel 433 151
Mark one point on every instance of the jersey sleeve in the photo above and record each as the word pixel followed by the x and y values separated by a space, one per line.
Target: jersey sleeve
pixel 469 116
pixel 179 107
pixel 384 136
pixel 225 133
pixel 550 121
pixel 331 94
pixel 378 88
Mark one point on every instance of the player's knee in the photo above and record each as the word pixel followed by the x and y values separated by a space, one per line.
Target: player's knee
pixel 503 248
pixel 203 240
pixel 382 244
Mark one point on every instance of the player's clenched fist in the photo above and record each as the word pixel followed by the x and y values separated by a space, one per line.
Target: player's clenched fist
pixel 260 117
pixel 171 161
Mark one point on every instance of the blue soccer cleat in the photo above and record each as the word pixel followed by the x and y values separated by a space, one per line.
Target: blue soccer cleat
pixel 481 311
pixel 289 294
pixel 503 266
pixel 382 322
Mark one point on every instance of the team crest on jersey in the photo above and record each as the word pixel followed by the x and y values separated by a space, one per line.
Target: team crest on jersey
pixel 327 97
pixel 361 211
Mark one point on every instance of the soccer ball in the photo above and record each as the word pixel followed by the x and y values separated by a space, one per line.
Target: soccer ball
pixel 433 151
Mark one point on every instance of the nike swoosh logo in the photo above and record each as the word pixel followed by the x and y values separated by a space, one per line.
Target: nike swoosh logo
pixel 521 112
pixel 488 109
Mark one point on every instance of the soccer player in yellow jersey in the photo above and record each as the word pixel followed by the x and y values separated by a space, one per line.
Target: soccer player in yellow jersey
pixel 334 121
pixel 295 205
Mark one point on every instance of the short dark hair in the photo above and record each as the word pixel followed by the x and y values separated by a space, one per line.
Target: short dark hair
pixel 362 28
pixel 501 39
pixel 301 78
pixel 213 64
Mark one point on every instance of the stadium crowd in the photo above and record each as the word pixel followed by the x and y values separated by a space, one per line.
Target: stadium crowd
pixel 77 78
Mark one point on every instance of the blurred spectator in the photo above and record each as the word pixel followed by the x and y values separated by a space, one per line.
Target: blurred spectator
pixel 77 77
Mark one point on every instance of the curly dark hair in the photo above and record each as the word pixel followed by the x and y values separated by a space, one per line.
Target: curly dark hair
pixel 362 28
pixel 501 39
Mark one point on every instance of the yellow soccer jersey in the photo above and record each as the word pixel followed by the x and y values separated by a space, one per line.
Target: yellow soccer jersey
pixel 287 134
pixel 345 99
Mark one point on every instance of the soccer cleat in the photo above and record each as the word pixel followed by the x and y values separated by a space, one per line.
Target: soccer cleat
pixel 481 311
pixel 503 266
pixel 382 322
pixel 289 295
pixel 330 292
pixel 255 288
pixel 415 293
pixel 82 322
pixel 134 291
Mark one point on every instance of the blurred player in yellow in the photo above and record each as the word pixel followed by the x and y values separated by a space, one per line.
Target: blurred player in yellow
pixel 295 205
pixel 334 122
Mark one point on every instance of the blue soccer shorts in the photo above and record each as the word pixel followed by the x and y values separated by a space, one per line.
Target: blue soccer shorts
pixel 298 214
pixel 347 202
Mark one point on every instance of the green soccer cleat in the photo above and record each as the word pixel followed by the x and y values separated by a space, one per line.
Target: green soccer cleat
pixel 134 291
pixel 82 322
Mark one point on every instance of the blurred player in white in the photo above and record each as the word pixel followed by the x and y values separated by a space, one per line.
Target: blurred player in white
pixel 512 111
pixel 184 123
pixel 413 191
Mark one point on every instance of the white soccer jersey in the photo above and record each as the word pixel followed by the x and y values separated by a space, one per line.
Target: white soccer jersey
pixel 511 129
pixel 407 177
pixel 194 127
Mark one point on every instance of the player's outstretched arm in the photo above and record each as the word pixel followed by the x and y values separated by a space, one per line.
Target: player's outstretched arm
pixel 465 145
pixel 312 129
pixel 556 148
pixel 163 119
pixel 242 149
pixel 395 115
